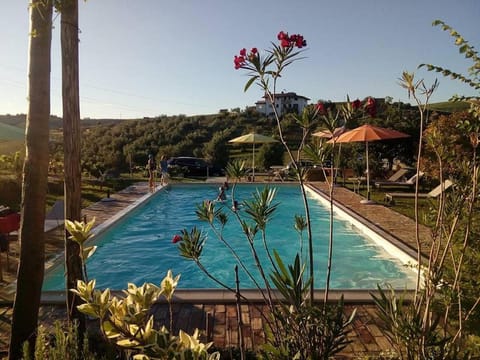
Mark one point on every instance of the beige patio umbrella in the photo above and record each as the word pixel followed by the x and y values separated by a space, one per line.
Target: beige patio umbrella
pixel 253 138
pixel 367 133
pixel 327 134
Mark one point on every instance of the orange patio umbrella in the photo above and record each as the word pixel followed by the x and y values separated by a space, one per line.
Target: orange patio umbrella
pixel 367 133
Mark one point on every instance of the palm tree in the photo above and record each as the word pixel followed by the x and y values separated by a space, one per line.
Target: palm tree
pixel 71 145
pixel 35 171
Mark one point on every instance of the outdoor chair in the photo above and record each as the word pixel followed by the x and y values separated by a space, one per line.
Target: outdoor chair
pixel 390 197
pixel 4 210
pixel 409 182
pixel 8 224
pixel 357 183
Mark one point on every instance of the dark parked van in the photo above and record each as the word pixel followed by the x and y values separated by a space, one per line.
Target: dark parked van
pixel 195 166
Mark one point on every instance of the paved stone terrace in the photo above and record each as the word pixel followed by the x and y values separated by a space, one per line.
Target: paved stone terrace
pixel 219 320
pixel 381 218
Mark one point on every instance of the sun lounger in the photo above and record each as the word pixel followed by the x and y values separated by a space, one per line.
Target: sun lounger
pixel 400 173
pixel 390 197
pixel 409 182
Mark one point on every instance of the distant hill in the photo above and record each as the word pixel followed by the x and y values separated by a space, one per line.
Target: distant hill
pixel 18 120
pixel 449 106
pixel 92 122
pixel 10 132
pixel 14 120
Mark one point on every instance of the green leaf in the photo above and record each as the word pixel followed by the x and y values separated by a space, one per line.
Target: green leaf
pixel 105 296
pixel 280 264
pixel 127 343
pixel 88 251
pixel 140 357
pixel 88 309
pixel 462 49
pixel 250 82
pixel 110 330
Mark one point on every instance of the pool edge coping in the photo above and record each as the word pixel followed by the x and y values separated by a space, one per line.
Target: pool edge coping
pixel 391 238
pixel 225 296
pixel 213 296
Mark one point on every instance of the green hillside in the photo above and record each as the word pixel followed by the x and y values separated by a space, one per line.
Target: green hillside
pixel 10 132
pixel 12 126
pixel 449 106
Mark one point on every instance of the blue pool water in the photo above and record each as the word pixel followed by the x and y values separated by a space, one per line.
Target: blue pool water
pixel 139 248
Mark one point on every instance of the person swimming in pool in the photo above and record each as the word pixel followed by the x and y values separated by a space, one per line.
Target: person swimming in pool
pixel 221 194
pixel 235 206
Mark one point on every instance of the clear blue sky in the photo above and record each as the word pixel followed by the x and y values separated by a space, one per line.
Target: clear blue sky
pixel 150 57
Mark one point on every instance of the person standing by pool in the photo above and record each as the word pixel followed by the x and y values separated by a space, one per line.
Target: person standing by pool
pixel 164 170
pixel 151 167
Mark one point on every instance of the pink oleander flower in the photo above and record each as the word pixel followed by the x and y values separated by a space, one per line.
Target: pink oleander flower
pixel 253 54
pixel 356 104
pixel 177 238
pixel 282 36
pixel 300 41
pixel 371 107
pixel 295 40
pixel 252 59
pixel 239 61
pixel 285 43
pixel 320 107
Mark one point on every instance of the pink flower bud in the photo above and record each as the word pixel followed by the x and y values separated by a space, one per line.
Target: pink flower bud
pixel 320 107
pixel 282 36
pixel 176 239
pixel 356 104
pixel 285 43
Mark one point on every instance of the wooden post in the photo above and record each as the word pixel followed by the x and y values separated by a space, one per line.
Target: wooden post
pixel 239 315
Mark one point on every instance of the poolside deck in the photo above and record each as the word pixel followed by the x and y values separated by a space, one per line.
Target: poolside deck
pixel 218 318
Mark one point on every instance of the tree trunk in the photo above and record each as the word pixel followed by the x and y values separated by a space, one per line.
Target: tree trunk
pixel 35 173
pixel 71 144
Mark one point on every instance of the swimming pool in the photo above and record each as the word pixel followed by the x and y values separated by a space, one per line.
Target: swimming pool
pixel 139 247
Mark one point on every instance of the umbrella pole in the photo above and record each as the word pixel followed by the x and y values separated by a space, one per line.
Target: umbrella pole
pixel 367 200
pixel 253 163
pixel 368 176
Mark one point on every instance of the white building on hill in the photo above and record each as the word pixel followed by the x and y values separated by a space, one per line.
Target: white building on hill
pixel 285 102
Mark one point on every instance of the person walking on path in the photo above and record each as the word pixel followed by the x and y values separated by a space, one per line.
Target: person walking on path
pixel 164 170
pixel 151 167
